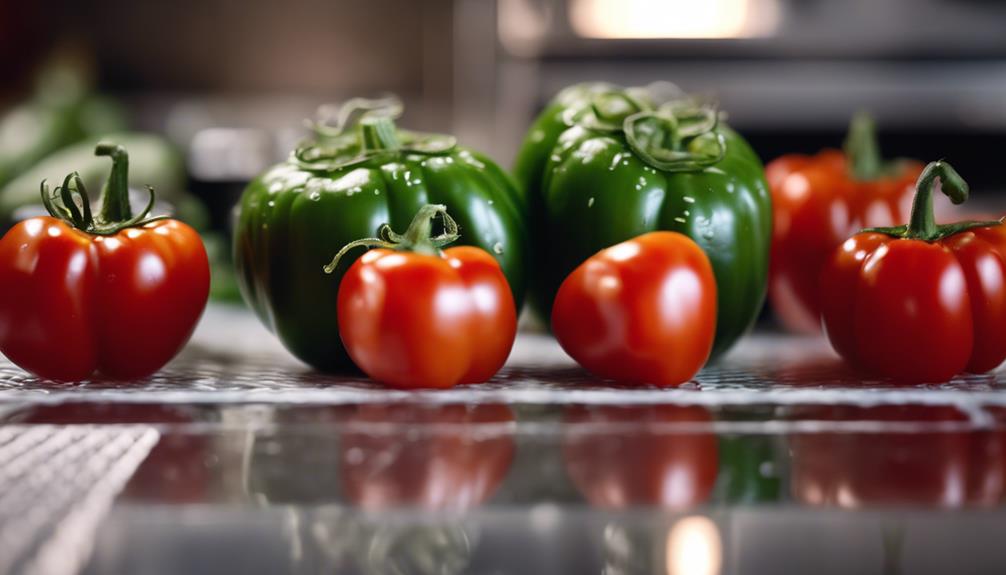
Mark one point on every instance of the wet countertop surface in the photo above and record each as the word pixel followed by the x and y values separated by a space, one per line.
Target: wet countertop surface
pixel 237 458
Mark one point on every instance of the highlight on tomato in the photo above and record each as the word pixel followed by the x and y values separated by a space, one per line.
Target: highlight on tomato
pixel 640 312
pixel 920 302
pixel 111 293
pixel 414 316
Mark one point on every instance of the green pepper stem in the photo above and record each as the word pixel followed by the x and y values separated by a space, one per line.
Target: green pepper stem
pixel 115 195
pixel 417 238
pixel 377 133
pixel 615 106
pixel 862 150
pixel 348 114
pixel 922 223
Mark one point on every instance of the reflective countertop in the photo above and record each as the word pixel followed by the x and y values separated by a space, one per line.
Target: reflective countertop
pixel 238 459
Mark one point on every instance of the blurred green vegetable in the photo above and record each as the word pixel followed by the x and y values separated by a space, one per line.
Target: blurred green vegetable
pixel 61 112
pixel 153 161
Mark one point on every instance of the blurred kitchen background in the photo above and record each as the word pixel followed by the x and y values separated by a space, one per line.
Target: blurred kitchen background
pixel 228 82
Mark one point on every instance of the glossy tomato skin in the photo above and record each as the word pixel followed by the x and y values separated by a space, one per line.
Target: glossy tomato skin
pixel 917 311
pixel 982 255
pixel 123 305
pixel 642 311
pixel 817 205
pixel 47 282
pixel 418 321
pixel 639 461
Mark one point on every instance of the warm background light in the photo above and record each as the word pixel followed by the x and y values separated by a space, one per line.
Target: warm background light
pixel 673 18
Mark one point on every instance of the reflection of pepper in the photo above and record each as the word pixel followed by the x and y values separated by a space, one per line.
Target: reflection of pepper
pixel 818 201
pixel 450 457
pixel 850 468
pixel 921 302
pixel 631 161
pixel 748 469
pixel 654 455
pixel 343 187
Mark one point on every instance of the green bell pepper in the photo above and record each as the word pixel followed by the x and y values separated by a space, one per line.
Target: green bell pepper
pixel 341 187
pixel 604 164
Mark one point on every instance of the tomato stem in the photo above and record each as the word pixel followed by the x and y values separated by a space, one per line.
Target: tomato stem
pixel 922 223
pixel 417 238
pixel 116 213
pixel 862 150
pixel 115 206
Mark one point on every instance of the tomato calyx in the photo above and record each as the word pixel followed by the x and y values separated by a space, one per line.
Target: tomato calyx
pixel 417 238
pixel 677 134
pixel 71 203
pixel 922 222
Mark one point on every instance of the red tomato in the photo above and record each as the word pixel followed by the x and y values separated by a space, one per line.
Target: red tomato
pixel 919 310
pixel 72 303
pixel 412 320
pixel 642 311
pixel 941 467
pixel 817 203
pixel 449 457
pixel 116 294
pixel 644 459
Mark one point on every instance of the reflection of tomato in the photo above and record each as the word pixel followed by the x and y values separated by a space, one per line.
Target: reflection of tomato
pixel 441 457
pixel 637 463
pixel 851 469
pixel 175 469
pixel 813 368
